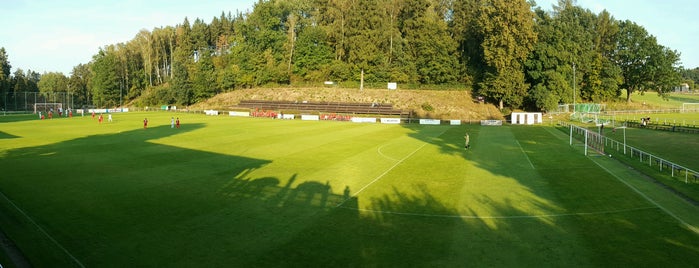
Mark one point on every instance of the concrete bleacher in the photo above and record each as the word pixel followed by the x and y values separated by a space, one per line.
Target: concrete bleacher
pixel 323 107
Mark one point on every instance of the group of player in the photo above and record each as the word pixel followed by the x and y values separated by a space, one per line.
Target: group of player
pixel 69 113
pixel 174 123
pixel 100 119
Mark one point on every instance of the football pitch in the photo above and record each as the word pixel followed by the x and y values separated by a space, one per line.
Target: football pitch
pixel 248 192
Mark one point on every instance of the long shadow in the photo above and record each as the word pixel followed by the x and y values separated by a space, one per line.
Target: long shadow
pixel 548 173
pixel 4 135
pixel 682 99
pixel 149 204
pixel 127 204
pixel 9 118
pixel 13 118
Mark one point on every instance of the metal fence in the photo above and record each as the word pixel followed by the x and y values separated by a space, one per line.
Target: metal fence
pixel 24 101
pixel 663 165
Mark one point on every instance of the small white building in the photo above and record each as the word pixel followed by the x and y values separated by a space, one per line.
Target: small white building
pixel 682 88
pixel 526 118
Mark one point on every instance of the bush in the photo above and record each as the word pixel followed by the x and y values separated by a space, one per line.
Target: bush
pixel 427 107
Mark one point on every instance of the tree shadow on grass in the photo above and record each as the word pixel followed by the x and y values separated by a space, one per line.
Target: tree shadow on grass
pixel 17 118
pixel 552 224
pixel 683 99
pixel 4 135
pixel 148 204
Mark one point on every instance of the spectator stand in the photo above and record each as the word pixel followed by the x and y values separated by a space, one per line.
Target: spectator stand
pixel 341 111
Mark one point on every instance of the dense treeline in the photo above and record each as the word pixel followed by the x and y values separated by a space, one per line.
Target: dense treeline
pixel 513 53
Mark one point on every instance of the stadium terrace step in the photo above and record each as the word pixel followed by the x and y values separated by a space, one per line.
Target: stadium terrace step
pixel 326 107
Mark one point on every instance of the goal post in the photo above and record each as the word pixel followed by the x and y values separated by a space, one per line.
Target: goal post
pixel 592 140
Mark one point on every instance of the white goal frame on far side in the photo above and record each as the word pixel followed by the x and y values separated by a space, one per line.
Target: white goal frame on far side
pixel 690 107
pixel 47 106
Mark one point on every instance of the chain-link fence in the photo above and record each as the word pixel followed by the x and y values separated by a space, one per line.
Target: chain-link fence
pixel 23 102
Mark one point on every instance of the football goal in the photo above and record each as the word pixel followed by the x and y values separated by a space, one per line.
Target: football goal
pixel 47 106
pixel 588 113
pixel 594 141
pixel 690 107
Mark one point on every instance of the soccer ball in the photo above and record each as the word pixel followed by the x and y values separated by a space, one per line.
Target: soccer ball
pixel 610 155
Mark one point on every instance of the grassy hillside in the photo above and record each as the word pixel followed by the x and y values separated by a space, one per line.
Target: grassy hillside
pixel 452 104
pixel 442 104
pixel 651 101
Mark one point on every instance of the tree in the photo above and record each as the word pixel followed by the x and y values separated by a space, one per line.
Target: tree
pixel 53 82
pixel 313 56
pixel 691 76
pixel 508 38
pixel 666 74
pixel 5 68
pixel 79 84
pixel 430 53
pixel 644 64
pixel 105 78
pixel 548 67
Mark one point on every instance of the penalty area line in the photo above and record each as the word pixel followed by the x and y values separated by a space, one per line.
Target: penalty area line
pixel 388 170
pixel 42 230
pixel 381 175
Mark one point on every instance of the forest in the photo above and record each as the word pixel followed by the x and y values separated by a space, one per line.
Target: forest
pixel 513 53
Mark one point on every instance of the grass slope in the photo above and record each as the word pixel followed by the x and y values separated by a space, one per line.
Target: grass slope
pixel 444 104
pixel 247 192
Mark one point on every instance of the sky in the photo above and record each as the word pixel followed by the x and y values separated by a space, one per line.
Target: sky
pixel 674 23
pixel 57 35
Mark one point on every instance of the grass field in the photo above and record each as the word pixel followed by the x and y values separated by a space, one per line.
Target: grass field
pixel 246 192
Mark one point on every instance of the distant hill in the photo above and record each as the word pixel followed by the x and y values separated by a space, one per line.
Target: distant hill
pixel 437 104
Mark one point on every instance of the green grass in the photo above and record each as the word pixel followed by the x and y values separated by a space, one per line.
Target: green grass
pixel 651 100
pixel 244 192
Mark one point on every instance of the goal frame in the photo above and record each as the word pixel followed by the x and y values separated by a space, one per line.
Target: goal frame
pixel 686 107
pixel 46 106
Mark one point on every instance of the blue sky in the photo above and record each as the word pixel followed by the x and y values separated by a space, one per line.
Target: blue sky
pixel 675 23
pixel 55 36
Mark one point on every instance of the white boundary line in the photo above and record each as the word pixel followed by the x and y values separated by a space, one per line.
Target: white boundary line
pixel 504 217
pixel 525 153
pixel 388 170
pixel 381 175
pixel 385 156
pixel 692 228
pixel 42 230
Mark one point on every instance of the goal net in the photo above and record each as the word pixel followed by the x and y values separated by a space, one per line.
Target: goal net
pixel 690 107
pixel 588 113
pixel 47 106
pixel 592 140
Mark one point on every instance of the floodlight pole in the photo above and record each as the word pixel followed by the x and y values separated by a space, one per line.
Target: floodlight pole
pixel 571 134
pixel 624 140
pixel 573 87
pixel 586 134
